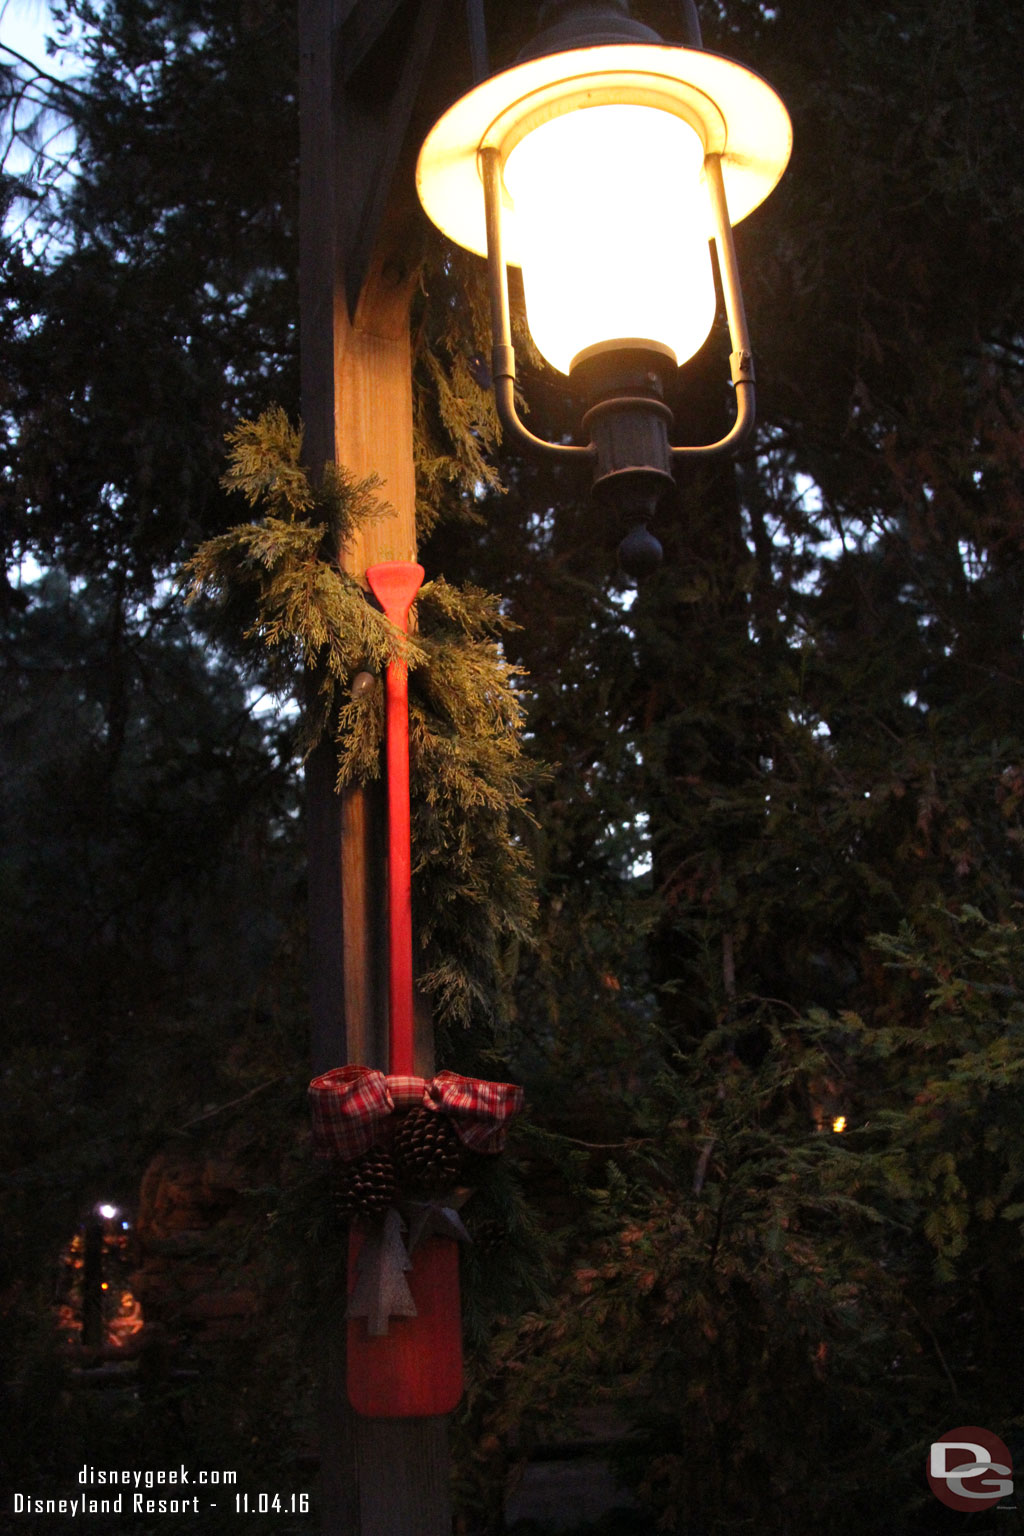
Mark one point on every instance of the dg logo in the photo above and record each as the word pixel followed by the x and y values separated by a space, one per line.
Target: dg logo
pixel 969 1469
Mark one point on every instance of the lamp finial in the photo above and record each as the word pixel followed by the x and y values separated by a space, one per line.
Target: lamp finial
pixel 568 24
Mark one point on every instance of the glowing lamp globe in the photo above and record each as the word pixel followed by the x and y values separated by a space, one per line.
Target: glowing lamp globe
pixel 606 255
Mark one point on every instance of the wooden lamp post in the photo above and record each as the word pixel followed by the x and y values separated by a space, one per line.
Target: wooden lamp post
pixel 362 66
pixel 365 66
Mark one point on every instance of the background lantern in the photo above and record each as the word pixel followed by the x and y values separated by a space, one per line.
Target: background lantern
pixel 602 163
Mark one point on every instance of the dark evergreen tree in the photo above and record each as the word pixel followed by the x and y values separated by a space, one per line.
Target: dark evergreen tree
pixel 804 730
pixel 152 886
pixel 161 305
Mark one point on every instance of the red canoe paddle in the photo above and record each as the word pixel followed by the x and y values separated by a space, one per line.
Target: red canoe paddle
pixel 395 585
pixel 414 1368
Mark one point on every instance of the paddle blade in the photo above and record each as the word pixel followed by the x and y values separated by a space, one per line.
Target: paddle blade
pixel 415 1369
pixel 394 584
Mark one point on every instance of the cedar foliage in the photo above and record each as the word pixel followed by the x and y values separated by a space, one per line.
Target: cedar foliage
pixel 282 581
pixel 758 1297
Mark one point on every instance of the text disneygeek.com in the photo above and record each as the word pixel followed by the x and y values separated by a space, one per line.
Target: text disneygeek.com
pixel 157 1491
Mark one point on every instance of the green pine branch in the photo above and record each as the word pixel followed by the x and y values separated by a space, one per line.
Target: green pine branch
pixel 277 586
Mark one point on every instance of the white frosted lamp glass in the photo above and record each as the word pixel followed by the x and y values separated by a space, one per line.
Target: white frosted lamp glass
pixel 612 231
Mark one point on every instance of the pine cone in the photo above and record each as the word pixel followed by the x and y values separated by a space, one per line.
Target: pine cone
pixel 366 1186
pixel 427 1151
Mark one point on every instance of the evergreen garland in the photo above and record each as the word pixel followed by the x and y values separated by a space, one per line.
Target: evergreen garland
pixel 455 421
pixel 277 582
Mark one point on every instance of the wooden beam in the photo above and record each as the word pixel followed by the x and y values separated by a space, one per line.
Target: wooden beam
pixel 362 29
pixel 382 57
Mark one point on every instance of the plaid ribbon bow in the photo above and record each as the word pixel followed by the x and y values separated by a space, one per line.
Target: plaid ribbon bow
pixel 351 1104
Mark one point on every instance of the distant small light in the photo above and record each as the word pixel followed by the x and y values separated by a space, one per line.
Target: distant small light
pixel 839 1123
pixel 107 1211
pixel 124 1226
pixel 104 1286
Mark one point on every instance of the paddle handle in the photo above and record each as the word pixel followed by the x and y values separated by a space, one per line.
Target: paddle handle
pixel 399 871
pixel 395 584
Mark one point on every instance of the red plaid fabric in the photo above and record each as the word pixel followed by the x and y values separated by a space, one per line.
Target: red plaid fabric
pixel 348 1104
pixel 351 1104
pixel 406 1092
pixel 479 1110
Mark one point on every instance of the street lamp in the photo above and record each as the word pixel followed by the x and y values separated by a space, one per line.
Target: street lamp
pixel 602 163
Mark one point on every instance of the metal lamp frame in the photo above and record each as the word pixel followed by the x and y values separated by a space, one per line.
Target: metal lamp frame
pixel 503 362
